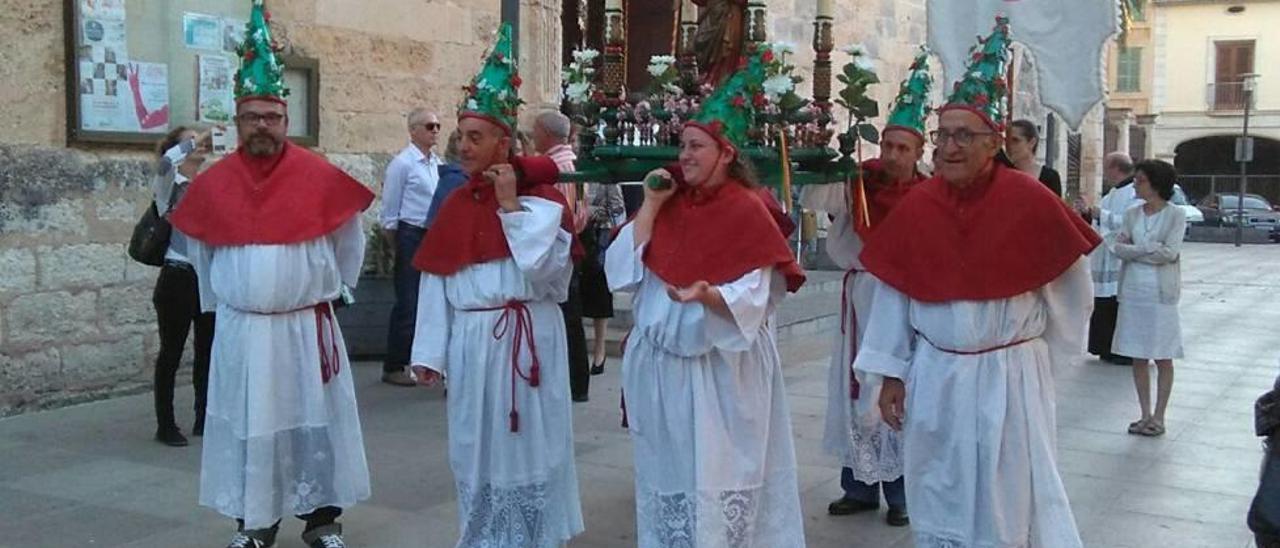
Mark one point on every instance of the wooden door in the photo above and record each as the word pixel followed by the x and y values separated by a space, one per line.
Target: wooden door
pixel 1233 60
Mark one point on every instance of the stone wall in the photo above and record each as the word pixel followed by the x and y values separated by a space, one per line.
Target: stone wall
pixel 76 320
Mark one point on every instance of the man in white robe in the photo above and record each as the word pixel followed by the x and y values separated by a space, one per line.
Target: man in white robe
pixel 1108 219
pixel 982 288
pixel 275 233
pixel 495 265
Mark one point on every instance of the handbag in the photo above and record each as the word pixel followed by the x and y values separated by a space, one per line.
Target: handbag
pixel 150 238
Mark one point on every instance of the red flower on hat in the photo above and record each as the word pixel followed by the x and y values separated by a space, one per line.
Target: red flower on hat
pixel 977 56
pixel 498 56
pixel 516 80
pixel 266 15
pixel 982 99
pixel 249 55
pixel 768 57
pixel 1000 83
pixel 739 101
pixel 758 100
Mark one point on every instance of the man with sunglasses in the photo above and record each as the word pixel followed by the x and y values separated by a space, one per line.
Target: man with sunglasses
pixel 407 192
pixel 274 234
pixel 982 288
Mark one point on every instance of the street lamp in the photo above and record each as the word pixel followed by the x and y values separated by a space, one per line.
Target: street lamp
pixel 1244 153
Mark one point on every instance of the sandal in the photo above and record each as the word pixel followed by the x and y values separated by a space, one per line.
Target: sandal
pixel 1152 429
pixel 1136 427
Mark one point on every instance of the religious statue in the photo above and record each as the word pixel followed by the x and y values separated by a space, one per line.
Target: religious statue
pixel 718 42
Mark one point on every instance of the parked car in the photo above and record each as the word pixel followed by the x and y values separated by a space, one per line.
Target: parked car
pixel 1194 215
pixel 1220 209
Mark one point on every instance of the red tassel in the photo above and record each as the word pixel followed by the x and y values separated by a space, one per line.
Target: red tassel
pixel 535 375
pixel 515 420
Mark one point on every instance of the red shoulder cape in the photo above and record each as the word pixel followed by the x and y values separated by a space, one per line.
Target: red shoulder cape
pixel 240 201
pixel 1000 238
pixel 882 195
pixel 718 235
pixel 467 229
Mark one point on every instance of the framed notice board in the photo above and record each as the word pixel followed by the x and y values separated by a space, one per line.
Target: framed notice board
pixel 137 68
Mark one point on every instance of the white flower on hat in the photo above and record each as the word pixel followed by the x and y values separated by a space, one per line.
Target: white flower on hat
pixel 472 104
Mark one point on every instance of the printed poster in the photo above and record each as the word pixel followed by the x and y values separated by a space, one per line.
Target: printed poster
pixel 215 102
pixel 112 10
pixel 135 99
pixel 200 31
pixel 232 34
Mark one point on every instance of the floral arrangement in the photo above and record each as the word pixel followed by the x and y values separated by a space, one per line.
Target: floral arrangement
pixel 857 75
pixel 580 94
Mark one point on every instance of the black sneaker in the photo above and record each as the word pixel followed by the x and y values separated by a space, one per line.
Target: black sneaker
pixel 171 437
pixel 897 517
pixel 242 540
pixel 325 536
pixel 579 398
pixel 844 506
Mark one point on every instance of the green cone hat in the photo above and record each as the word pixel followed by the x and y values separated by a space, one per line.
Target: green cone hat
pixel 729 111
pixel 983 89
pixel 261 74
pixel 911 108
pixel 494 94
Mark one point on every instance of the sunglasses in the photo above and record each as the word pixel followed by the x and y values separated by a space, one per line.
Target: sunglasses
pixel 431 126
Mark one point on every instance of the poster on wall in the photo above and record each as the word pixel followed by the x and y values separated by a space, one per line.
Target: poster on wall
pixel 112 10
pixel 133 97
pixel 215 102
pixel 201 31
pixel 232 34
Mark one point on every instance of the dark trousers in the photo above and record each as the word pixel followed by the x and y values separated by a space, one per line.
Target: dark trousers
pixel 1264 512
pixel 321 517
pixel 579 363
pixel 895 493
pixel 1102 326
pixel 177 302
pixel 404 315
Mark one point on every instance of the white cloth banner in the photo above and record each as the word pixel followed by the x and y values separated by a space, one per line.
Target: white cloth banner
pixel 1065 38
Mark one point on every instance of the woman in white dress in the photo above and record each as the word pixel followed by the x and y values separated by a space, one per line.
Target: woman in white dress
pixel 702 379
pixel 1147 327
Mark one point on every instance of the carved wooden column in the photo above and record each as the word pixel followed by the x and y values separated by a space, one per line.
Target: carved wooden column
pixel 823 44
pixel 615 67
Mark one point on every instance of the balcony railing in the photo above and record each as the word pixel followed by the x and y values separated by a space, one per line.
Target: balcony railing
pixel 1226 96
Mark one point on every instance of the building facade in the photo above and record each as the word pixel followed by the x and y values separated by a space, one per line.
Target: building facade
pixel 1177 91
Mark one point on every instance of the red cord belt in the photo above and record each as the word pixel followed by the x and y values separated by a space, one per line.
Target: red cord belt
pixel 330 358
pixel 976 352
pixel 521 329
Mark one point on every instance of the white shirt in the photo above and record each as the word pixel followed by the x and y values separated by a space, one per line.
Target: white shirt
pixel 409 186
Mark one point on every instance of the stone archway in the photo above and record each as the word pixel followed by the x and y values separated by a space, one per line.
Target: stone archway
pixel 1207 164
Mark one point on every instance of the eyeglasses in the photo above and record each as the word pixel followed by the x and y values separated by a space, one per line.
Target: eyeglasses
pixel 430 126
pixel 252 118
pixel 961 137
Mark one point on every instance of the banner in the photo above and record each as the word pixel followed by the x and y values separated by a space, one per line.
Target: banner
pixel 1066 40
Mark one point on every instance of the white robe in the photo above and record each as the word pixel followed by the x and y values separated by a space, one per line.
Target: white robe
pixel 277 440
pixel 515 489
pixel 979 435
pixel 854 432
pixel 1105 265
pixel 707 412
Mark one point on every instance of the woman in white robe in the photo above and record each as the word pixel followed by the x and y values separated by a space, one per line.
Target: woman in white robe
pixel 516 489
pixel 702 380
pixel 991 413
pixel 280 440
